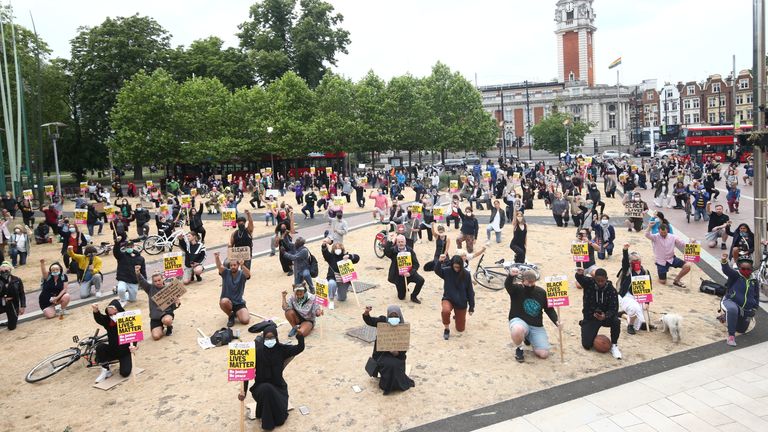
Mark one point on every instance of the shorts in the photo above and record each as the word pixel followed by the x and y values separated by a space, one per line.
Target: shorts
pixel 159 322
pixel 714 235
pixel 537 336
pixel 382 213
pixel 302 320
pixel 237 306
pixel 663 269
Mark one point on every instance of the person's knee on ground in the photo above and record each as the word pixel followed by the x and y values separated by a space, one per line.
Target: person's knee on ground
pixel 541 353
pixel 158 333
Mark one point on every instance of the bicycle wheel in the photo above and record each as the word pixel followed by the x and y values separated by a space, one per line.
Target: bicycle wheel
pixel 52 364
pixel 524 267
pixel 490 279
pixel 378 245
pixel 151 245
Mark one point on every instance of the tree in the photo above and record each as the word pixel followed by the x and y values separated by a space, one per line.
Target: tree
pixel 291 109
pixel 206 58
pixel 200 118
pixel 247 123
pixel 335 124
pixel 407 113
pixel 370 96
pixel 551 135
pixel 278 40
pixel 102 59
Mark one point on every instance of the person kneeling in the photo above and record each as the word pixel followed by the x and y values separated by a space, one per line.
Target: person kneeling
pixel 632 268
pixel 301 310
pixel 106 353
pixel 527 301
pixel 389 364
pixel 159 318
pixel 601 307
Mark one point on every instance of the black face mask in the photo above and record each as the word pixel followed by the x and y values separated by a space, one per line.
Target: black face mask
pixel 241 226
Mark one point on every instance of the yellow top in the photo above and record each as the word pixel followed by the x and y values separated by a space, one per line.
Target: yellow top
pixel 82 261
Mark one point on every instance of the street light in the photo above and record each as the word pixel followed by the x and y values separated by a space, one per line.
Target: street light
pixel 567 124
pixel 271 153
pixel 504 133
pixel 54 137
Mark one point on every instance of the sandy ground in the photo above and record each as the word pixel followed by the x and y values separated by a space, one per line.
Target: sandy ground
pixel 184 386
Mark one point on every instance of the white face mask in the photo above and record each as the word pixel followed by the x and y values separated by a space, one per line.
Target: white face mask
pixel 338 251
pixel 393 321
pixel 270 343
pixel 604 222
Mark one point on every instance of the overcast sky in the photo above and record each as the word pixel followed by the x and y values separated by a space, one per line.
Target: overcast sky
pixel 499 41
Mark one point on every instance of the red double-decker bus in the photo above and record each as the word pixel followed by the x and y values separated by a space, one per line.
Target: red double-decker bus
pixel 719 142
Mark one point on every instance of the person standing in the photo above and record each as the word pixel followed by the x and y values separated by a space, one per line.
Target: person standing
pixel 600 309
pixel 458 293
pixel 243 235
pixel 13 299
pixel 519 237
pixel 128 259
pixel 231 302
pixel 391 250
pixel 527 302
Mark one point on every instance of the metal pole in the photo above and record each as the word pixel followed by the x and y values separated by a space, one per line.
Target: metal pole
pixel 618 110
pixel 56 162
pixel 528 126
pixel 567 140
pixel 503 128
pixel 758 100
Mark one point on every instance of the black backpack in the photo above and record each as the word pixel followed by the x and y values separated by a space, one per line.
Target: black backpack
pixel 222 337
pixel 314 270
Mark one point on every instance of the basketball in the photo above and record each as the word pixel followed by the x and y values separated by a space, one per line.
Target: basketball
pixel 602 344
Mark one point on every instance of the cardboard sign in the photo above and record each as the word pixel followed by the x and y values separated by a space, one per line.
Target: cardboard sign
pixel 328 170
pixel 229 217
pixel 692 252
pixel 83 187
pixel 487 176
pixel 240 253
pixel 404 263
pixel 347 271
pixel 49 190
pixel 129 327
pixel 634 209
pixel 186 201
pixel 110 212
pixel 454 186
pixel 557 291
pixel 173 265
pixel 312 170
pixel 580 251
pixel 150 184
pixel 99 207
pixel 28 195
pixel 274 193
pixel 241 361
pixel 170 294
pixel 81 216
pixel 321 292
pixel 439 213
pixel 393 338
pixel 164 210
pixel 641 288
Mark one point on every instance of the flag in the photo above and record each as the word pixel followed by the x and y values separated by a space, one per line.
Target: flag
pixel 615 63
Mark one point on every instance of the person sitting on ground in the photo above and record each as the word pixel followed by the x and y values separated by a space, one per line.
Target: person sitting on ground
pixel 664 253
pixel 161 320
pixel 389 364
pixel 600 309
pixel 526 324
pixel 457 293
pixel 13 299
pixel 301 310
pixel 233 278
pixel 742 296
pixel 631 266
pixel 194 256
pixel 53 290
pixel 88 271
pixel 108 352
pixel 333 253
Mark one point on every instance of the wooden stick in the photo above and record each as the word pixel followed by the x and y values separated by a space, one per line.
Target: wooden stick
pixel 648 322
pixel 560 336
pixel 200 332
pixel 133 367
pixel 407 290
pixel 357 299
pixel 242 410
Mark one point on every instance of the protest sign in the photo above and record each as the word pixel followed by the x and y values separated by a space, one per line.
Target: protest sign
pixel 641 288
pixel 241 361
pixel 462 179
pixel 339 201
pixel 81 216
pixel 634 209
pixel 229 178
pixel 347 271
pixel 186 201
pixel 170 294
pixel 173 263
pixel 110 212
pixel 393 338
pixel 580 251
pixel 515 177
pixel 150 184
pixel 328 170
pixel 324 193
pixel 439 213
pixel 454 186
pixel 164 210
pixel 129 327
pixel 321 292
pixel 241 253
pixel 28 195
pixel 98 207
pixel 268 171
pixel 83 187
pixel 228 217
pixel 49 190
pixel 417 211
pixel 193 191
pixel 692 252
pixel 557 291
pixel 312 170
pixel 404 263
pixel 487 176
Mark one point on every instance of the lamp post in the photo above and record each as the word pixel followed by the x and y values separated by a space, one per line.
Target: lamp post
pixel 271 153
pixel 54 137
pixel 567 124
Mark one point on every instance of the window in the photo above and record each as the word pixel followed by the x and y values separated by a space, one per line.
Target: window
pixel 687 103
pixel 670 94
pixel 696 103
pixel 612 121
pixel 688 119
pixel 571 77
pixel 655 108
pixel 666 107
pixel 723 100
pixel 674 120
pixel 712 117
pixel 649 95
pixel 749 98
pixel 691 90
pixel 722 118
pixel 716 88
pixel 646 108
pixel 711 102
pixel 749 114
pixel 613 140
pixel 744 83
pixel 740 115
pixel 739 99
pixel 695 118
pixel 647 123
pixel 674 106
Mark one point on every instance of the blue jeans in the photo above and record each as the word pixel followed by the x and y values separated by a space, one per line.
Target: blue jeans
pixel 608 247
pixel 338 290
pixel 699 213
pixel 22 257
pixel 310 209
pixel 90 227
pixel 269 216
pixel 304 276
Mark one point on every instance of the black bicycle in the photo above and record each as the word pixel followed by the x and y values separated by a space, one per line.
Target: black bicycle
pixel 55 363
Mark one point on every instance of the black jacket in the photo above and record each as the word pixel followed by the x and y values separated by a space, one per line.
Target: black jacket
pixel 142 216
pixel 196 220
pixel 192 253
pixel 333 260
pixel 391 251
pixel 457 287
pixel 111 326
pixel 502 215
pixel 606 299
pixel 469 225
pixel 126 266
pixel 13 288
pixel 625 275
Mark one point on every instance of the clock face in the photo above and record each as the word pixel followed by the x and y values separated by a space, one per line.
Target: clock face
pixel 569 7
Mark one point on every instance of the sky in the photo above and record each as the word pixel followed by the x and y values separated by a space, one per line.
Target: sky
pixel 487 41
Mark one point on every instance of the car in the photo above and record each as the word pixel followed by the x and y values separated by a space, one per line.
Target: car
pixel 664 154
pixel 615 154
pixel 452 165
pixel 642 152
pixel 472 159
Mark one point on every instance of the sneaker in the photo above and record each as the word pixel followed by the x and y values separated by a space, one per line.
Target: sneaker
pixel 643 327
pixel 519 356
pixel 169 330
pixel 105 373
pixel 198 278
pixel 292 333
pixel 99 294
pixel 331 305
pixel 722 246
pixel 731 341
pixel 231 320
pixel 415 300
pixel 631 329
pixel 615 352
pixel 290 273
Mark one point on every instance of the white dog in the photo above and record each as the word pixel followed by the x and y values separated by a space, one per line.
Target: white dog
pixel 672 322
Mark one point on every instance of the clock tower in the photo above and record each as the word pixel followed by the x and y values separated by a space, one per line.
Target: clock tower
pixel 575 29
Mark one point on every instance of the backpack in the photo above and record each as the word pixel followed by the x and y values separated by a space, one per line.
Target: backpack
pixel 314 270
pixel 222 337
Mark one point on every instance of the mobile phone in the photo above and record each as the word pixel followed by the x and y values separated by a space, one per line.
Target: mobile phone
pixel 303 410
pixel 356 388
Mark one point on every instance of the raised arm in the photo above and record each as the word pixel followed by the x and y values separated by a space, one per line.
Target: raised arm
pixel 43 269
pixel 249 227
pixel 219 266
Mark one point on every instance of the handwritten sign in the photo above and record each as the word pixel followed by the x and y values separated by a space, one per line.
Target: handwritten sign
pixel 28 195
pixel 83 187
pixel 173 263
pixel 110 212
pixel 49 190
pixel 692 252
pixel 228 217
pixel 186 201
pixel 241 361
pixel 404 263
pixel 347 271
pixel 393 338
pixel 170 294
pixel 240 253
pixel 129 327
pixel 321 292
pixel 454 186
pixel 580 251
pixel 81 216
pixel 641 288
pixel 557 291
pixel 634 209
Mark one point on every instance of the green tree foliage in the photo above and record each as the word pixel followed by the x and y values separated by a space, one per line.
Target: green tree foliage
pixel 200 119
pixel 370 96
pixel 279 40
pixel 206 58
pixel 407 113
pixel 551 135
pixel 335 123
pixel 292 108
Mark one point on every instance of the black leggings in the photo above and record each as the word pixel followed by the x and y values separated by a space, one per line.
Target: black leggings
pixel 427 229
pixel 561 220
pixel 106 353
pixel 590 328
pixel 455 220
pixel 201 232
pixel 519 253
pixel 11 310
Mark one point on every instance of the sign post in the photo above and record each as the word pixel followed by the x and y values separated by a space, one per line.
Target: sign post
pixel 557 295
pixel 321 298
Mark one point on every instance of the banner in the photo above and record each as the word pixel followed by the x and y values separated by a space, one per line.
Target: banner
pixel 580 251
pixel 241 361
pixel 404 263
pixel 173 265
pixel 229 217
pixel 110 212
pixel 49 190
pixel 557 291
pixel 692 252
pixel 634 209
pixel 81 216
pixel 321 292
pixel 129 327
pixel 347 271
pixel 454 186
pixel 641 288
pixel 186 201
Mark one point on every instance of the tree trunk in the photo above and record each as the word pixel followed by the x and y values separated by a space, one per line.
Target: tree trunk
pixel 138 172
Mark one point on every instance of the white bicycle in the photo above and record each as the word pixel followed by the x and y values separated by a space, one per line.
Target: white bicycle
pixel 157 244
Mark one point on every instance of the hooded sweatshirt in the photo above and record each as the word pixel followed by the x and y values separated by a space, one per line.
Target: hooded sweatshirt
pixel 111 326
pixel 742 291
pixel 457 287
pixel 605 299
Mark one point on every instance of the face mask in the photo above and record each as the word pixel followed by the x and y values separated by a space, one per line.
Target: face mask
pixel 129 250
pixel 270 343
pixel 55 273
pixel 338 216
pixel 745 272
pixel 604 222
pixel 393 321
pixel 241 226
pixel 17 231
pixel 635 266
pixel 338 251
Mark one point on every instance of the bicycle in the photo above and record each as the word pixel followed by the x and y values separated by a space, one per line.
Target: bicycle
pixel 55 363
pixel 156 244
pixel 380 241
pixel 493 277
pixel 762 272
